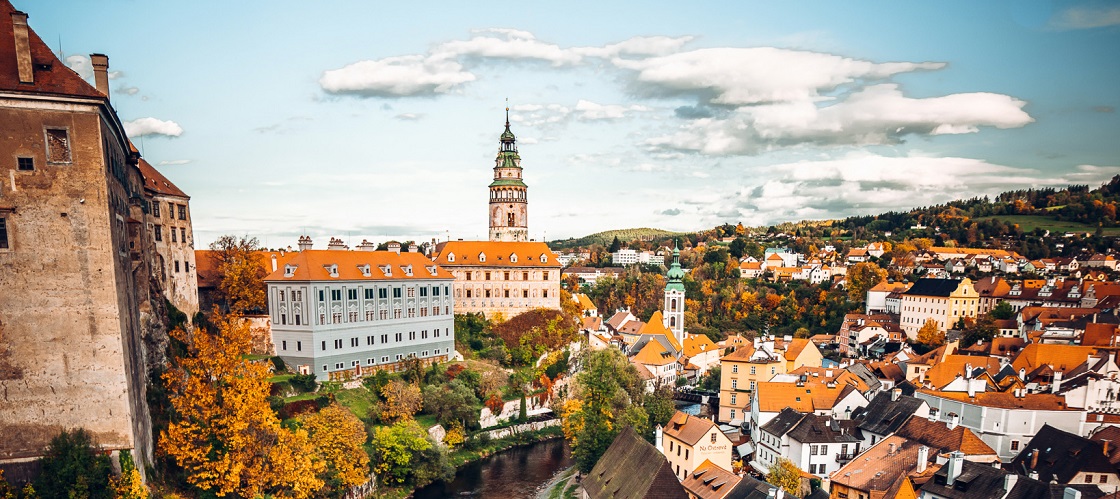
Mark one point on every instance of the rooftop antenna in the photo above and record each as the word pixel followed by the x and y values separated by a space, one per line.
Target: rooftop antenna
pixel 142 153
pixel 61 54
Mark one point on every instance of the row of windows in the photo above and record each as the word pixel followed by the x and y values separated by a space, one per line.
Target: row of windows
pixel 176 235
pixel 493 293
pixel 384 359
pixel 370 340
pixel 504 276
pixel 336 317
pixel 383 293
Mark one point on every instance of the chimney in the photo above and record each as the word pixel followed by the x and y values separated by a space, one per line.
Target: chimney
pixel 23 47
pixel 1071 493
pixel 659 439
pixel 1023 374
pixel 923 459
pixel 100 64
pixel 336 244
pixel 412 248
pixel 954 420
pixel 891 448
pixel 274 262
pixel 895 394
pixel 1009 481
pixel 394 247
pixel 953 469
pixel 1057 384
pixel 304 243
pixel 366 246
pixel 968 371
pixel 1034 459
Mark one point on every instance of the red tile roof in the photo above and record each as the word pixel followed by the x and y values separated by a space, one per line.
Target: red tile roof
pixel 312 265
pixel 51 76
pixel 498 254
pixel 156 182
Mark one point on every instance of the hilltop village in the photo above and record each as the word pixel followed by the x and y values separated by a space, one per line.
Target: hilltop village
pixel 936 354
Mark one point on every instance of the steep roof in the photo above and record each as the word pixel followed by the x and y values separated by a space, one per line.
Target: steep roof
pixel 939 437
pixel 795 347
pixel 498 254
pixel 781 423
pixel 632 468
pixel 981 481
pixel 312 265
pixel 809 397
pixel 884 416
pixel 824 430
pixel 1061 456
pixel 954 366
pixel 654 354
pixel 1062 357
pixel 709 481
pixel 50 75
pixel 206 264
pixel 933 287
pixel 155 181
pixel 1005 400
pixel 656 326
pixel 882 465
pixel 688 429
pixel 584 302
pixel 696 344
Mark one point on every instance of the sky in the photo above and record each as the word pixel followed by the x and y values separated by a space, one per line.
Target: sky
pixel 381 121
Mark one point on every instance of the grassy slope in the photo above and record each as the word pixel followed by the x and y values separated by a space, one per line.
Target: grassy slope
pixel 605 238
pixel 1031 222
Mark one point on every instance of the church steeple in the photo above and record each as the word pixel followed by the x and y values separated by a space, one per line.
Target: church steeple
pixel 509 203
pixel 674 297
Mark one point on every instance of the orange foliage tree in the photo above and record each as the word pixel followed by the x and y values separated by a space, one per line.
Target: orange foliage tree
pixel 222 430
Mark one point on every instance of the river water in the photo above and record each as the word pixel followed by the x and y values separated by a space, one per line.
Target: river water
pixel 513 474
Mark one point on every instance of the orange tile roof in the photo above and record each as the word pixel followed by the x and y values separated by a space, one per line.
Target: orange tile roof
pixel 656 326
pixel 840 376
pixel 952 366
pixel 741 354
pixel 696 344
pixel 890 287
pixel 311 265
pixel 498 254
pixel 795 347
pixel 584 302
pixel 750 266
pixel 653 354
pixel 709 481
pixel 156 182
pixel 878 468
pixel 1098 335
pixel 810 397
pixel 50 75
pixel 688 429
pixel 1007 400
pixel 972 251
pixel 1062 357
pixel 937 435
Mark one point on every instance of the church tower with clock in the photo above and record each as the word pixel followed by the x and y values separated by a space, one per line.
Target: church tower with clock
pixel 509 202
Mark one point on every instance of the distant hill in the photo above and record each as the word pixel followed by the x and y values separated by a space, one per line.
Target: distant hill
pixel 605 238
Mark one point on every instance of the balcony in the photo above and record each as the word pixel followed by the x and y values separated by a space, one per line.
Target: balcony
pixel 842 457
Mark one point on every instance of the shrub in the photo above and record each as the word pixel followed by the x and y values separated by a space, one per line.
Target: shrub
pixel 303 382
pixel 73 468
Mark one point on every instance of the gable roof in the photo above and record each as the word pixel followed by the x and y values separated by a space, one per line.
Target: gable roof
pixel 1061 456
pixel 654 354
pixel 954 366
pixel 794 348
pixel 709 481
pixel 980 481
pixel 782 423
pixel 884 416
pixel 497 254
pixel 803 397
pixel 881 466
pixel 50 75
pixel 155 181
pixel 823 429
pixel 656 327
pixel 311 265
pixel 584 302
pixel 632 468
pixel 1062 357
pixel 939 437
pixel 689 429
pixel 696 344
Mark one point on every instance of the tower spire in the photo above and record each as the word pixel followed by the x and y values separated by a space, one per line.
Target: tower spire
pixel 507 114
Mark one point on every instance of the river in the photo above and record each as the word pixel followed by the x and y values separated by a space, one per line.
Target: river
pixel 512 474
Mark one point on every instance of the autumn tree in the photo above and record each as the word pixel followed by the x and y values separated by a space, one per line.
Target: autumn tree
pixel 129 484
pixel 786 475
pixel 339 437
pixel 931 334
pixel 602 397
pixel 862 277
pixel 241 274
pixel 394 447
pixel 402 401
pixel 222 431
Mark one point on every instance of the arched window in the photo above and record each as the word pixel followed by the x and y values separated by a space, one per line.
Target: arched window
pixel 509 219
pixel 673 305
pixel 672 322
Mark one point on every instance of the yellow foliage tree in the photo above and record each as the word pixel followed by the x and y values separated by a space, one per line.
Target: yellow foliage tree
pixel 129 484
pixel 241 271
pixel 223 432
pixel 454 436
pixel 338 437
pixel 402 401
pixel 862 277
pixel 786 475
pixel 930 334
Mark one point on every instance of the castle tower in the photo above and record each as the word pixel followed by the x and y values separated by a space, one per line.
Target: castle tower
pixel 674 297
pixel 509 202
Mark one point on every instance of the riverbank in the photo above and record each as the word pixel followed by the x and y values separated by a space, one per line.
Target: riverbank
pixel 519 470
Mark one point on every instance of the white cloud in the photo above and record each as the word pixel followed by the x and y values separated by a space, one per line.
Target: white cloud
pixel 409 116
pixel 584 110
pixel 152 126
pixel 396 77
pixel 126 90
pixel 590 111
pixel 878 114
pixel 174 162
pixel 1087 17
pixel 509 44
pixel 637 46
pixel 747 76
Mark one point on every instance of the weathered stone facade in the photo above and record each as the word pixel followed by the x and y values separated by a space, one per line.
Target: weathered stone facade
pixel 78 303
pixel 169 225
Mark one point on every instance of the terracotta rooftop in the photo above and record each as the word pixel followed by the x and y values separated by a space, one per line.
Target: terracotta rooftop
pixel 155 181
pixel 497 254
pixel 1060 357
pixel 940 438
pixel 810 397
pixel 882 465
pixel 1007 400
pixel 689 429
pixel 313 265
pixel 50 75
pixel 795 347
pixel 709 481
pixel 954 366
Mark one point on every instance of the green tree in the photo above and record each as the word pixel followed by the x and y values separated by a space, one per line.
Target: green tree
pixel 394 447
pixel 710 381
pixel 595 414
pixel 738 248
pixel 73 468
pixel 452 402
pixel 981 330
pixel 786 475
pixel 1002 311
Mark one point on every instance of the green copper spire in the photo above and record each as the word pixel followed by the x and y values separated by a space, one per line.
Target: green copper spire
pixel 676 274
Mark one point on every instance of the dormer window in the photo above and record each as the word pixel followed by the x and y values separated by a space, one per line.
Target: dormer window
pixel 386 269
pixel 332 269
pixel 544 258
pixel 513 258
pixel 290 270
pixel 364 269
pixel 451 257
pixel 431 269
pixel 407 269
pixel 482 257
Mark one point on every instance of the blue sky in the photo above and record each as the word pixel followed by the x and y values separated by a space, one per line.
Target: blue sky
pixel 354 120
